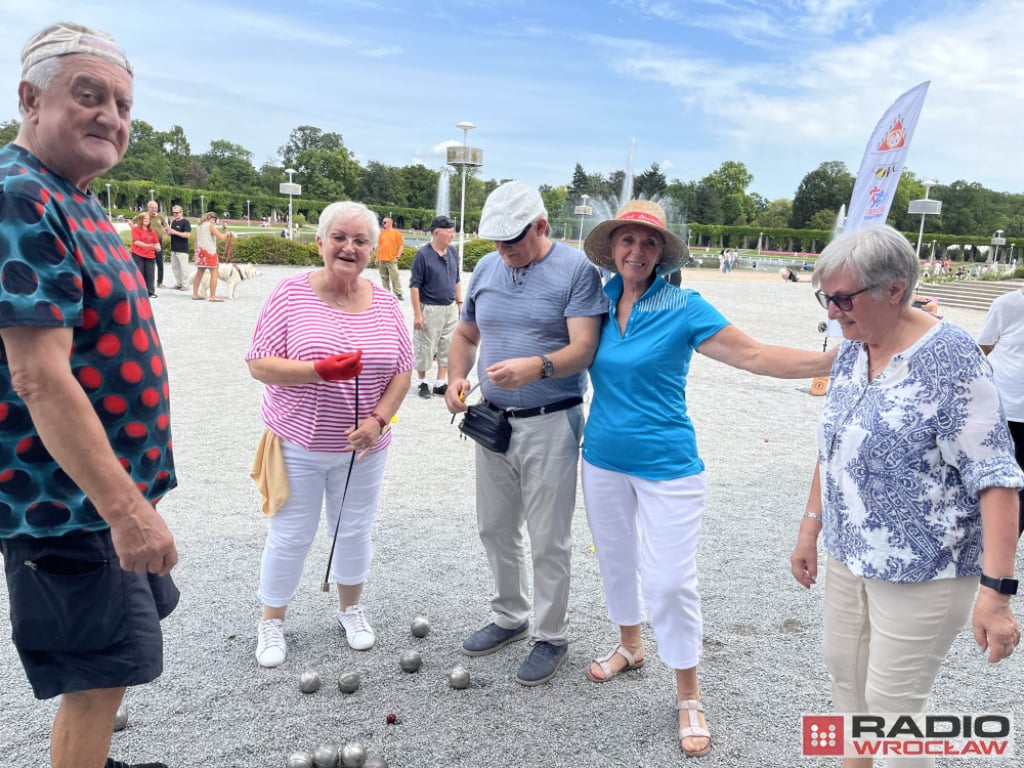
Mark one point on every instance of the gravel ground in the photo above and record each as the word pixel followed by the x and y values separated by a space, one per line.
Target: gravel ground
pixel 762 666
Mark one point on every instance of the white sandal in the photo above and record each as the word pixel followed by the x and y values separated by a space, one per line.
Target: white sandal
pixel 631 663
pixel 694 729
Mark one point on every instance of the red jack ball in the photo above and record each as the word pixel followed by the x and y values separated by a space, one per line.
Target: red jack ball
pixel 391 718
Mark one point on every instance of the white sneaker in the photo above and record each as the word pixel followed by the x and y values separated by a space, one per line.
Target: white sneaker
pixel 271 648
pixel 357 629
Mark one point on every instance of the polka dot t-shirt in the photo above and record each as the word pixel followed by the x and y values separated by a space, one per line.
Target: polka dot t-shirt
pixel 63 265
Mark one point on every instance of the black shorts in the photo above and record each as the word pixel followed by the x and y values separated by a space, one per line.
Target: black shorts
pixel 80 622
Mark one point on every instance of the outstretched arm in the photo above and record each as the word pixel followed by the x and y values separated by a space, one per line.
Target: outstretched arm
pixel 733 347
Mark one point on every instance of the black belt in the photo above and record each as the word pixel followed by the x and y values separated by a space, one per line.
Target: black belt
pixel 540 410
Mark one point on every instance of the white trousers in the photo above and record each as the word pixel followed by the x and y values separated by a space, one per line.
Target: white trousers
pixel 645 533
pixel 311 477
pixel 179 266
pixel 884 642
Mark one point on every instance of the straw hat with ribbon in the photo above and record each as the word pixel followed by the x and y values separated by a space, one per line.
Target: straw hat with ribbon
pixel 598 245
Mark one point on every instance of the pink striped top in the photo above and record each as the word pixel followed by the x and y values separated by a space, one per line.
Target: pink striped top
pixel 296 324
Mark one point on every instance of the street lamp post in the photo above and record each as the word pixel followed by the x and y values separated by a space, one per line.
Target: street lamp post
pixel 290 189
pixel 925 207
pixel 202 205
pixel 997 240
pixel 582 211
pixel 152 194
pixel 248 220
pixel 110 210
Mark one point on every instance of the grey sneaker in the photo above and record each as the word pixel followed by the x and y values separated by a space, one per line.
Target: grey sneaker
pixel 424 390
pixel 492 638
pixel 542 663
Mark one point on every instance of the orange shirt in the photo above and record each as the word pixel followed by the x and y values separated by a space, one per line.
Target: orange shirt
pixel 389 245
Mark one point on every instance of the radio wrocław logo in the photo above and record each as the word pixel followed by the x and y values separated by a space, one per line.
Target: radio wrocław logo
pixel 929 735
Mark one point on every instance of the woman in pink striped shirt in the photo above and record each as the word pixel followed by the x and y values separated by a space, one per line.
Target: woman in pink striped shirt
pixel 334 353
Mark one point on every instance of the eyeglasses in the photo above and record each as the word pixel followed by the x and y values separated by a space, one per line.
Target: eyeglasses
pixel 518 237
pixel 843 303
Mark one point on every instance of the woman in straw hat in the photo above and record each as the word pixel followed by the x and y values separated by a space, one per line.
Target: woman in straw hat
pixel 645 505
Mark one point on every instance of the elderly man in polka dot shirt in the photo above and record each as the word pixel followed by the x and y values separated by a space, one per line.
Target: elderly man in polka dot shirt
pixel 85 441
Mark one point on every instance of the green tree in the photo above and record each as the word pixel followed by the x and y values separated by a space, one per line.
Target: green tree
pixel 684 198
pixel 776 214
pixel 420 185
pixel 708 207
pixel 144 160
pixel 178 153
pixel 556 199
pixel 9 131
pixel 650 184
pixel 580 183
pixel 826 188
pixel 732 177
pixel 229 166
pixel 382 184
pixel 324 166
pixel 823 219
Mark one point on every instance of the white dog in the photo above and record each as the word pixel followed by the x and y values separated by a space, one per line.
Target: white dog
pixel 227 274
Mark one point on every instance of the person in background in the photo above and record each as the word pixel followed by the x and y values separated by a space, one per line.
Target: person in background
pixel 389 250
pixel 207 236
pixel 334 353
pixel 645 504
pixel 86 450
pixel 1002 339
pixel 159 223
pixel 180 229
pixel 533 314
pixel 144 243
pixel 435 289
pixel 914 491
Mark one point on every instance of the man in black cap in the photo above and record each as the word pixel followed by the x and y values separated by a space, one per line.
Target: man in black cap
pixel 436 293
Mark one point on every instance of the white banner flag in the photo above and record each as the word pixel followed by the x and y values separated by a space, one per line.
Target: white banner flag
pixel 883 161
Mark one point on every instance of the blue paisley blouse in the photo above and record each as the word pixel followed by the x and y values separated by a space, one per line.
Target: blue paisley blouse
pixel 903 458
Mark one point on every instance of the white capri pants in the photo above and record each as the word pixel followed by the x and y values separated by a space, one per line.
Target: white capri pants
pixel 311 476
pixel 884 642
pixel 645 533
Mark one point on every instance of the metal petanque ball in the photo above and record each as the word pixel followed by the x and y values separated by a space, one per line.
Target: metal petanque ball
pixel 353 755
pixel 120 719
pixel 410 661
pixel 375 762
pixel 458 678
pixel 420 626
pixel 326 756
pixel 309 682
pixel 300 760
pixel 348 682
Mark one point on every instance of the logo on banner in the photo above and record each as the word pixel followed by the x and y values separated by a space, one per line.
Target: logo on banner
pixel 884 171
pixel 930 735
pixel 876 202
pixel 895 137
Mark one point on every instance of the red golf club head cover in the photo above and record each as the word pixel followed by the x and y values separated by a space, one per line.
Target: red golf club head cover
pixel 339 367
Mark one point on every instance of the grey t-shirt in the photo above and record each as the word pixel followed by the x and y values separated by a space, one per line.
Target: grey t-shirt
pixel 523 313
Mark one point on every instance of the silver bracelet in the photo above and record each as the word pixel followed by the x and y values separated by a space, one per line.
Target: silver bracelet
pixel 813 516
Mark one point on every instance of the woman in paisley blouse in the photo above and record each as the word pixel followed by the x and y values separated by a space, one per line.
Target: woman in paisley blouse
pixel 914 487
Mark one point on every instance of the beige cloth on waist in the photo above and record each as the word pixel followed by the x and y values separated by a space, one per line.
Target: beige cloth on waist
pixel 269 472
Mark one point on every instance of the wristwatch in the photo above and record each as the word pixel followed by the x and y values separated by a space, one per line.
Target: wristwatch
pixel 549 368
pixel 1002 585
pixel 384 426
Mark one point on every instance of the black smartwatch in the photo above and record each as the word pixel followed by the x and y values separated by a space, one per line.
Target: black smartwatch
pixel 549 368
pixel 1002 586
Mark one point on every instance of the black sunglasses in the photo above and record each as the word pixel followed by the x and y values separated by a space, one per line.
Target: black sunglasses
pixel 518 237
pixel 843 303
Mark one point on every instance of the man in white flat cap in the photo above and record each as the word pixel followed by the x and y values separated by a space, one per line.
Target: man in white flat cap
pixel 533 318
pixel 85 450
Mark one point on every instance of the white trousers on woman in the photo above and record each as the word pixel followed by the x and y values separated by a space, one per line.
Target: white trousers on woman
pixel 884 642
pixel 311 477
pixel 645 533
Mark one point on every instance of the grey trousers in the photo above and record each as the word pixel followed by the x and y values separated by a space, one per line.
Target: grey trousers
pixel 531 490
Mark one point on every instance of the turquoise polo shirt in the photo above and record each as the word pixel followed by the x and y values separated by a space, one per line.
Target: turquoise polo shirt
pixel 638 422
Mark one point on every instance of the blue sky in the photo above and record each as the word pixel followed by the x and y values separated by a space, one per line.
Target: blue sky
pixel 781 85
